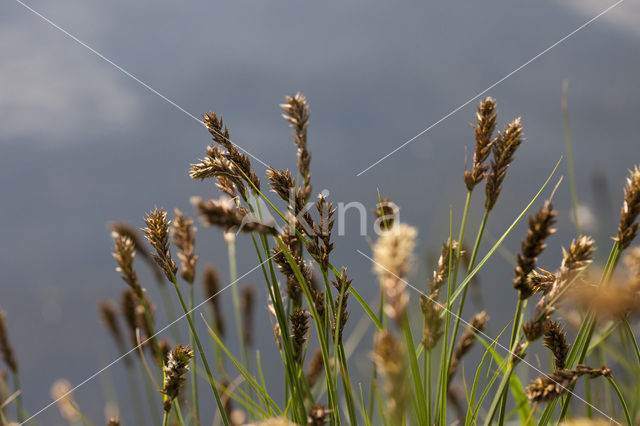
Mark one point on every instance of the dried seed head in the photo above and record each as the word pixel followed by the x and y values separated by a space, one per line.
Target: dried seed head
pixel 541 281
pixel 540 227
pixel 315 368
pixel 211 287
pixel 113 421
pixel 342 285
pixel 390 359
pixel 297 114
pixel 503 150
pixel 165 348
pixel 432 330
pixel 127 230
pixel 441 274
pixel 632 261
pixel 483 132
pixel 299 328
pixel 555 339
pixel 5 346
pixel 61 394
pixel 224 213
pixel 247 303
pixel 393 256
pixel 630 209
pixel 157 233
pixel 574 260
pixel 240 164
pixel 616 301
pixel 110 319
pixel 217 165
pixel 385 212
pixel 174 373
pixel 184 237
pixel 547 388
pixel 318 415
pixel 393 251
pixel 535 329
pixel 128 305
pixel 124 253
pixel 467 339
pixel 282 183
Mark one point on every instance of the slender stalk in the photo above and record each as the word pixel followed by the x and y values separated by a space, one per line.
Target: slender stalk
pixel 212 382
pixel 463 296
pixel 194 377
pixel 165 419
pixel 415 372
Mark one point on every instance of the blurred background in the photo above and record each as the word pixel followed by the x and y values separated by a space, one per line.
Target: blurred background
pixel 83 144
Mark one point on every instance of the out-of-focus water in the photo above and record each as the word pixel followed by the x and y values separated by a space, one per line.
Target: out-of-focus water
pixel 83 144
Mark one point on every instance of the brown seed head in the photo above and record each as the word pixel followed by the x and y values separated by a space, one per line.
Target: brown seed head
pixel 385 213
pixel 174 373
pixel 5 346
pixel 555 339
pixel 467 339
pixel 184 237
pixel 441 274
pixel 211 290
pixel 247 304
pixel 124 253
pixel 297 114
pixel 632 261
pixel 540 227
pixel 318 415
pixel 548 388
pixel 299 328
pixel 315 368
pixel 127 230
pixel 503 150
pixel 630 209
pixel 157 233
pixel 389 357
pixel 225 214
pixel 483 132
pixel 432 330
pixel 113 421
pixel 61 394
pixel 240 163
pixel 110 319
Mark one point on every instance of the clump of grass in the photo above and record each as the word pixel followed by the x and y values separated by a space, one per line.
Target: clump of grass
pixel 311 305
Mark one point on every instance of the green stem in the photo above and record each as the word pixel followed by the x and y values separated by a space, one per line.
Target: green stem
pixel 194 377
pixel 212 382
pixel 237 310
pixel 165 418
pixel 463 296
pixel 415 372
